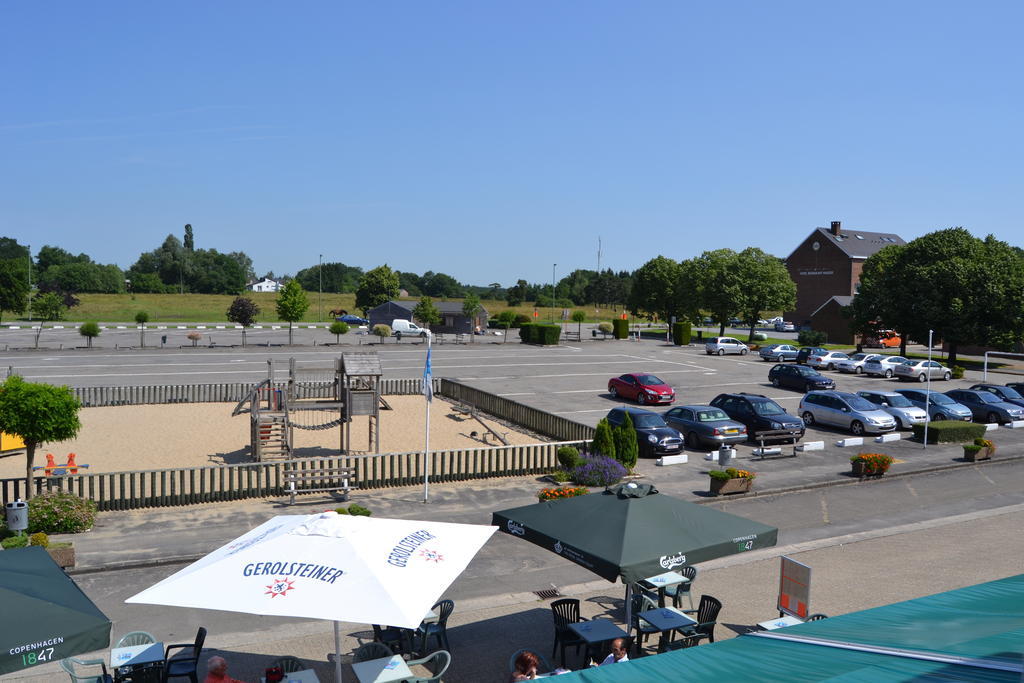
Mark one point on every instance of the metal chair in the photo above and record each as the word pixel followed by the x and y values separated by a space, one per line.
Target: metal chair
pixel 69 664
pixel 706 615
pixel 135 638
pixel 288 664
pixel 444 660
pixel 566 611
pixel 816 617
pixel 187 666
pixel 686 588
pixel 368 651
pixel 438 629
pixel 641 602
pixel 542 663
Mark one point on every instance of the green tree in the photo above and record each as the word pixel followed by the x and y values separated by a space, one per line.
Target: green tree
pixel 440 285
pixel 189 242
pixel 604 440
pixel 654 285
pixel 38 413
pixel 141 318
pixel 13 286
pixel 506 319
pixel 875 308
pixel 426 312
pixel 89 330
pixel 627 449
pixel 338 328
pixel 383 331
pixel 719 285
pixel 471 308
pixel 765 285
pixel 578 317
pixel 515 296
pixel 292 305
pixel 377 286
pixel 48 306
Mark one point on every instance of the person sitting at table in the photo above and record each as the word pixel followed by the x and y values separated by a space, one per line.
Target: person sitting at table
pixel 618 653
pixel 525 666
pixel 217 671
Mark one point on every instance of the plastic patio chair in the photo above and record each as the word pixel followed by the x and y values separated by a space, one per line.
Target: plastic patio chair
pixel 542 664
pixel 69 664
pixel 706 615
pixel 288 664
pixel 438 629
pixel 641 602
pixel 566 611
pixel 444 660
pixel 686 588
pixel 368 651
pixel 135 638
pixel 816 617
pixel 184 666
pixel 398 639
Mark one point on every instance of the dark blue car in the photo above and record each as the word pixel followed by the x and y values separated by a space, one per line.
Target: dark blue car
pixel 352 319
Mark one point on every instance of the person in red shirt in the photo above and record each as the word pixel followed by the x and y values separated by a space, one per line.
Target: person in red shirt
pixel 217 671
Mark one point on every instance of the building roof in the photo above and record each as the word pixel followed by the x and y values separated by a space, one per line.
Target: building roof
pixel 859 244
pixel 841 300
pixel 443 307
pixel 361 364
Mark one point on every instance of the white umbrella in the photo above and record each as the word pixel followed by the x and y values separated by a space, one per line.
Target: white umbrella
pixel 328 566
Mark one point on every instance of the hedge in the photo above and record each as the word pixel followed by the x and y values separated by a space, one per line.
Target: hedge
pixel 681 334
pixel 621 328
pixel 950 431
pixel 533 333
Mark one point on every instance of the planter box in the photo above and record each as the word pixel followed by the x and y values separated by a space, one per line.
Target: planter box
pixel 860 470
pixel 721 487
pixel 64 557
pixel 980 454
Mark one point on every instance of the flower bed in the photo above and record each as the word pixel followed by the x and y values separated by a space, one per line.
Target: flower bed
pixel 562 492
pixel 731 480
pixel 871 464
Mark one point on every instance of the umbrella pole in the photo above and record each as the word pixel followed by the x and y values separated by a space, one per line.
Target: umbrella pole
pixel 629 609
pixel 337 652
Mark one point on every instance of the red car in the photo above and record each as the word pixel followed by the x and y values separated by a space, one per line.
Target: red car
pixel 642 388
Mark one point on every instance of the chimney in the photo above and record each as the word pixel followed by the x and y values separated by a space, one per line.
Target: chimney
pixel 835 228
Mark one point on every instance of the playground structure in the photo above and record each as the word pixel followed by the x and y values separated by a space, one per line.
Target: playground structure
pixel 353 385
pixel 52 469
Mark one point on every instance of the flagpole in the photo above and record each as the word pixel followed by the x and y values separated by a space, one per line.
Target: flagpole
pixel 428 392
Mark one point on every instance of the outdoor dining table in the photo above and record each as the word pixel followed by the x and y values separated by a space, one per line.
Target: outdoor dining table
pixel 384 670
pixel 597 631
pixel 137 662
pixel 781 622
pixel 663 581
pixel 666 620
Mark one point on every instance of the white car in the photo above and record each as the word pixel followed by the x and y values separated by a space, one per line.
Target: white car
pixel 827 361
pixel 855 363
pixel 724 345
pixel 783 326
pixel 883 366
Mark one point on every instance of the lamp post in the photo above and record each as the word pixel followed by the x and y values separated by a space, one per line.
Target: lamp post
pixel 928 391
pixel 553 291
pixel 30 283
pixel 320 298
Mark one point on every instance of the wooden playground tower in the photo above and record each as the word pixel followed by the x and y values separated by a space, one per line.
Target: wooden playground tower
pixel 275 412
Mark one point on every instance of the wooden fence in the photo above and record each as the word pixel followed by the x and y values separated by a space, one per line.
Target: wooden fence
pixel 534 419
pixel 186 486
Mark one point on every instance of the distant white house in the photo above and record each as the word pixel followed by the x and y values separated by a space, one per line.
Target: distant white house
pixel 265 285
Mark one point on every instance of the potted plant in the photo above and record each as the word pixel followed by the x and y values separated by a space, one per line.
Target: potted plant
pixel 981 449
pixel 562 492
pixel 871 464
pixel 731 480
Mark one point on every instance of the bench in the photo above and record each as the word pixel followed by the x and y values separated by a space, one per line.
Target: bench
pixel 773 434
pixel 323 477
pixel 572 336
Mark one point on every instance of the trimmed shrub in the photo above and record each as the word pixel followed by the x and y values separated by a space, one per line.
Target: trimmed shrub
pixel 950 431
pixel 382 331
pixel 604 440
pixel 811 338
pixel 358 510
pixel 548 334
pixel 40 539
pixel 956 372
pixel 599 471
pixel 626 448
pixel 621 328
pixel 59 512
pixel 521 319
pixel 568 457
pixel 526 333
pixel 342 511
pixel 19 541
pixel 760 336
pixel 605 327
pixel 681 334
pixel 338 328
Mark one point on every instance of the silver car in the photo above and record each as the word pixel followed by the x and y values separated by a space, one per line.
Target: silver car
pixel 724 345
pixel 882 366
pixel 855 363
pixel 846 411
pixel 921 370
pixel 940 406
pixel 899 406
pixel 778 353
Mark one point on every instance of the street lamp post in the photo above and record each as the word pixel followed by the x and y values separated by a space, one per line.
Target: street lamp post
pixel 928 392
pixel 553 291
pixel 320 298
pixel 30 283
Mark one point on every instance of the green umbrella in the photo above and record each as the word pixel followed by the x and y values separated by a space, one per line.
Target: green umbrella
pixel 46 616
pixel 633 532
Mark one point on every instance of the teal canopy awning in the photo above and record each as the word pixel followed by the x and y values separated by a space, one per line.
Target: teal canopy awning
pixel 633 532
pixel 970 634
pixel 45 616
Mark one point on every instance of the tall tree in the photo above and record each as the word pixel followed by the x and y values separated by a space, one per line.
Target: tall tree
pixel 426 312
pixel 471 309
pixel 376 287
pixel 875 308
pixel 243 311
pixel 721 291
pixel 765 285
pixel 13 286
pixel 440 285
pixel 292 304
pixel 516 295
pixel 38 413
pixel 189 241
pixel 654 286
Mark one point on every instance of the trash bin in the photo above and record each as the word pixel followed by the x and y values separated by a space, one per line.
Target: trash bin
pixel 725 454
pixel 17 515
pixel 700 335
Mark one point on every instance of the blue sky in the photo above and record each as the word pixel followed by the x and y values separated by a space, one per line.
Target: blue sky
pixel 489 140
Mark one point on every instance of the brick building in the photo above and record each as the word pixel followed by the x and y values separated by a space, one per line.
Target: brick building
pixel 826 268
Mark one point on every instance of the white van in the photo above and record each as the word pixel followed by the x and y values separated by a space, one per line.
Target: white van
pixel 408 329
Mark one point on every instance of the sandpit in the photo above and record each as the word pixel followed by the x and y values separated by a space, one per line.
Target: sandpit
pixel 123 438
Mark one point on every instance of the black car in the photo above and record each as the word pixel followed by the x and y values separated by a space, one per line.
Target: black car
pixel 1006 393
pixel 653 435
pixel 808 351
pixel 799 377
pixel 759 413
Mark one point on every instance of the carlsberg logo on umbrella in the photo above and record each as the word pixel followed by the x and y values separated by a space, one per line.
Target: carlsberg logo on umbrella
pixel 515 528
pixel 669 561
